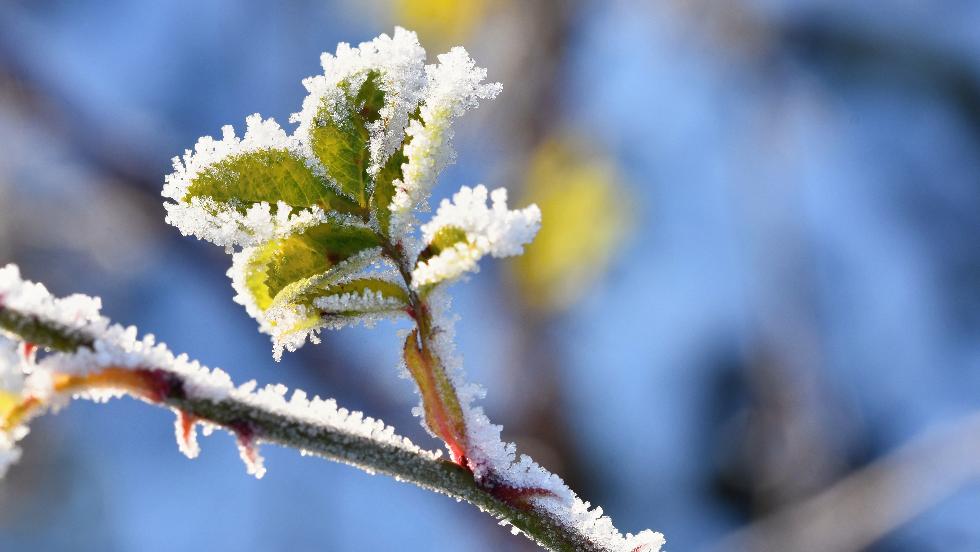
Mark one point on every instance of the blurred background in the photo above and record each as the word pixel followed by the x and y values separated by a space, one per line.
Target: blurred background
pixel 751 320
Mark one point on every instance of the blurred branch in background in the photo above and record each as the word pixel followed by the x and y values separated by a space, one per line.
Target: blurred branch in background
pixel 858 510
pixel 786 443
pixel 853 54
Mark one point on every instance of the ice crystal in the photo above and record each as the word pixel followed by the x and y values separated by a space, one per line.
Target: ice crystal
pixel 365 302
pixel 11 384
pixel 493 230
pixel 185 428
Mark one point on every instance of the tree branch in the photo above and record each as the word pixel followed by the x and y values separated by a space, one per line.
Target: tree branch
pixel 267 425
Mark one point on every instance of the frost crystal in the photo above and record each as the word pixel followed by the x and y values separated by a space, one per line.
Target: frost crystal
pixel 453 87
pixel 416 108
pixel 491 230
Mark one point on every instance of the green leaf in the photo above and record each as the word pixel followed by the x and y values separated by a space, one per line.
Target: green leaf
pixel 384 189
pixel 342 146
pixel 269 175
pixel 313 288
pixel 384 183
pixel 283 268
pixel 358 286
pixel 445 237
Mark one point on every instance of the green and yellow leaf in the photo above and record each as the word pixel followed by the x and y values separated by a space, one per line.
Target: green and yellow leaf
pixel 266 175
pixel 444 238
pixel 342 146
pixel 384 189
pixel 284 268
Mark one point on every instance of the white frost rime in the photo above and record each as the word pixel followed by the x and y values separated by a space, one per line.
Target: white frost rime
pixel 440 93
pixel 493 230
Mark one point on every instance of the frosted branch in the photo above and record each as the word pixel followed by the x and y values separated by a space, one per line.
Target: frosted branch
pixel 90 358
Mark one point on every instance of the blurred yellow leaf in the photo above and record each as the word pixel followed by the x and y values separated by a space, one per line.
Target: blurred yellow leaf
pixel 7 402
pixel 440 22
pixel 585 215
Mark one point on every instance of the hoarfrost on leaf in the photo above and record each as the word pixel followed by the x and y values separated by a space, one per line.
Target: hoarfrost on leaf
pixel 453 86
pixel 465 229
pixel 244 191
pixel 399 61
pixel 11 369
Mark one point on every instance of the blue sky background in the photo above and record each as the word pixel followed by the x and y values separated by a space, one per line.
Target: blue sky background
pixel 798 297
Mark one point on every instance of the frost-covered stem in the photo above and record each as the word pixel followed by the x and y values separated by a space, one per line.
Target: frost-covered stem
pixel 440 401
pixel 269 426
pixel 436 475
pixel 32 329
